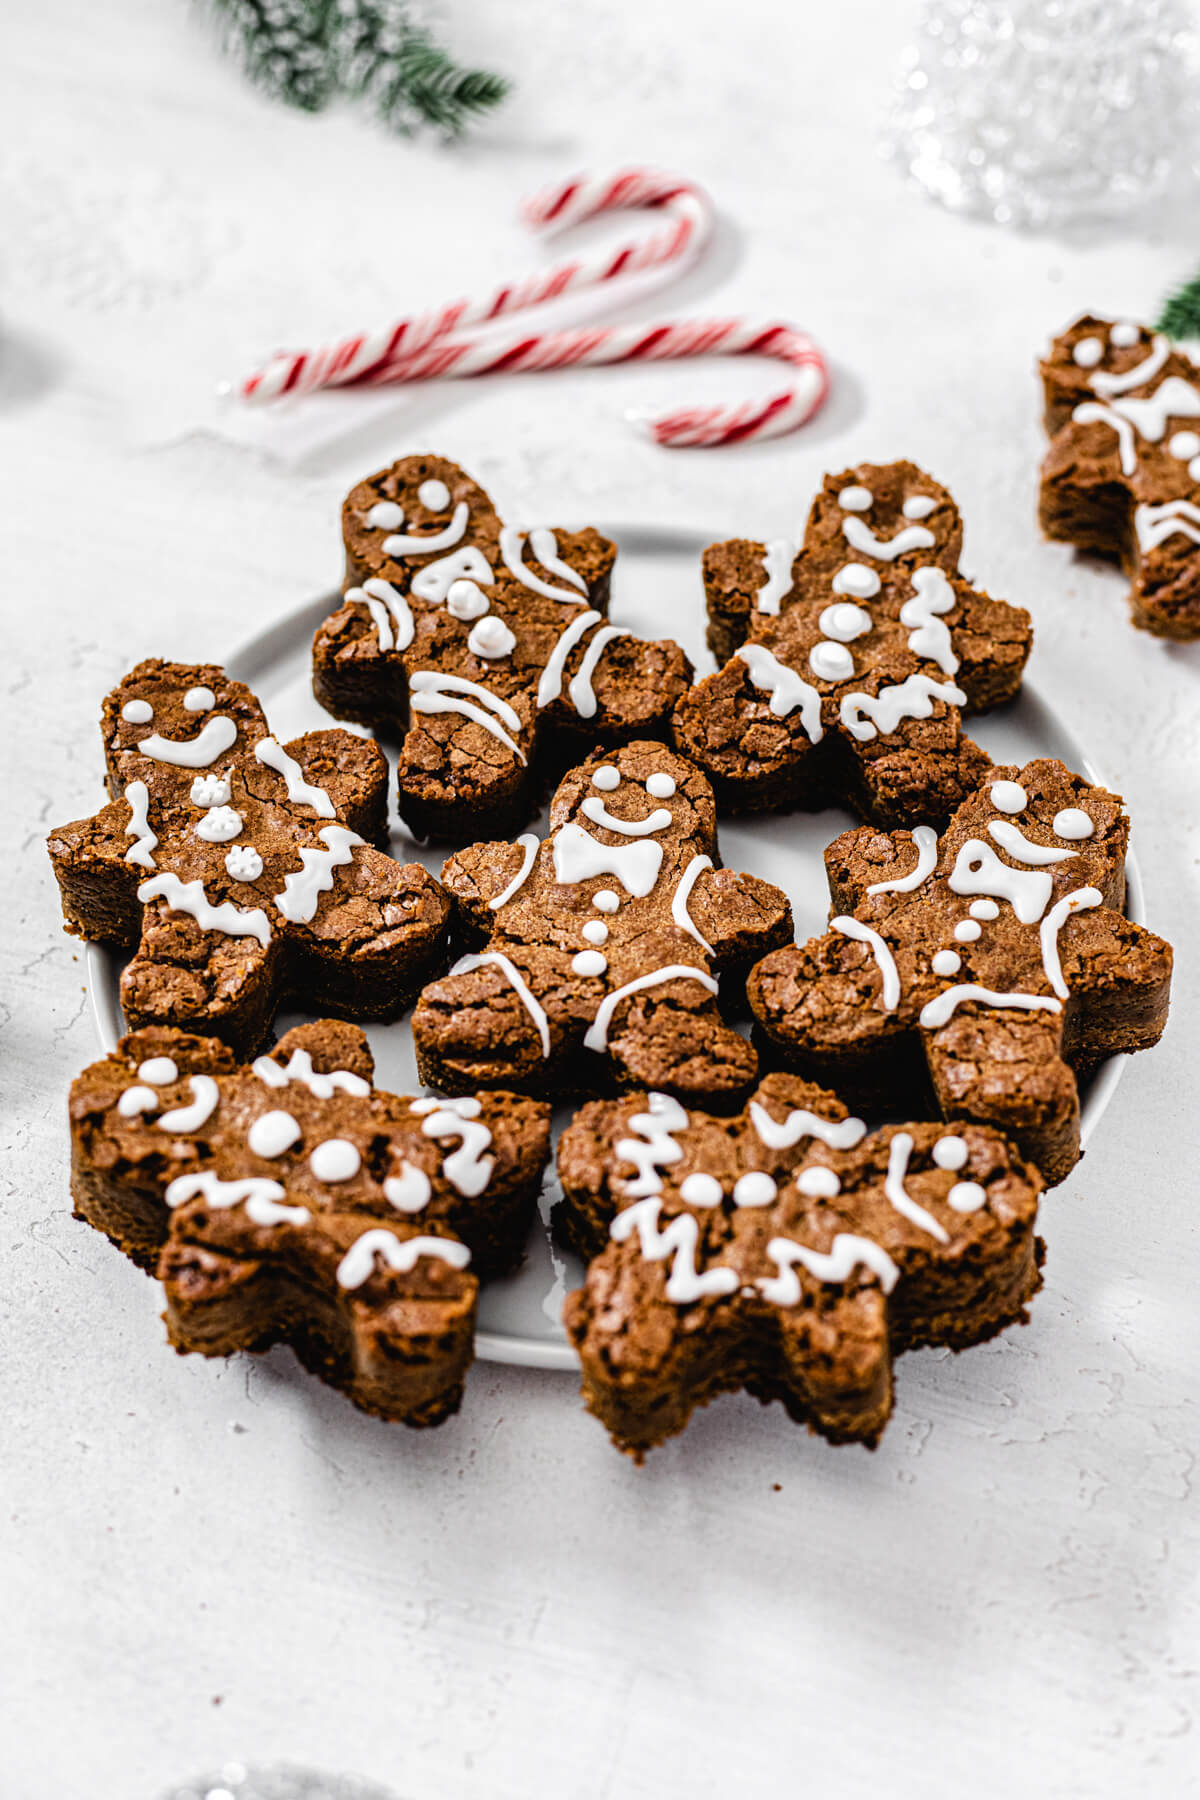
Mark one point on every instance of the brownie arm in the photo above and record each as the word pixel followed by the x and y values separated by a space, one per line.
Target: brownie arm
pixel 97 885
pixel 992 640
pixel 354 773
pixel 740 916
pixel 1119 976
pixel 478 875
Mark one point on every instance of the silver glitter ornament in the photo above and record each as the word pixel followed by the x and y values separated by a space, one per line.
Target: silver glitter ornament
pixel 236 1781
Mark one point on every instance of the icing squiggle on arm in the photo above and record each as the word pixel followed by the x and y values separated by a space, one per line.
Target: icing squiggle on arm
pixel 1081 900
pixel 836 1265
pixel 189 897
pixel 899 1151
pixel 400 1254
pixel 787 689
pixel 925 842
pixel 678 1241
pixel 434 691
pixel 679 901
pixel 529 844
pixel 777 566
pixel 389 610
pixel 517 981
pixel 272 755
pixel 885 961
pixel 137 794
pixel 596 1037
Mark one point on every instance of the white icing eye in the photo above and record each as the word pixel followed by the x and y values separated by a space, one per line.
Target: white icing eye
pixel 701 1190
pixel 211 790
pixel 589 962
pixel 159 1070
pixel 946 962
pixel 199 699
pixel 219 824
pixel 919 506
pixel 660 786
pixel 856 579
pixel 1073 823
pixel 1184 445
pixel 1088 352
pixel 137 712
pixel 1008 796
pixel 434 494
pixel 1124 334
pixel 856 499
pixel 830 662
pixel 137 1100
pixel 335 1160
pixel 844 622
pixel 967 1196
pixel 606 778
pixel 818 1183
pixel 984 909
pixel 604 900
pixel 385 515
pixel 491 638
pixel 950 1152
pixel 966 931
pixel 465 600
pixel 755 1189
pixel 244 863
pixel 272 1133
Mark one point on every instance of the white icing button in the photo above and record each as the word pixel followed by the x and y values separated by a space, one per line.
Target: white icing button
pixel 385 515
pixel 137 712
pixel 661 787
pixel 219 824
pixel 984 909
pixel 1124 334
pixel 1184 444
pixel 856 579
pixel 946 962
pixel 243 863
pixel 273 1133
pixel 1009 796
pixel 335 1160
pixel 966 931
pixel 589 962
pixel 606 778
pixel 465 600
pixel 202 699
pixel 604 900
pixel 434 494
pixel 491 638
pixel 1073 823
pixel 844 621
pixel 596 931
pixel 830 662
pixel 967 1196
pixel 701 1190
pixel 136 1100
pixel 950 1152
pixel 210 790
pixel 856 499
pixel 158 1070
pixel 819 1183
pixel 1088 352
pixel 919 506
pixel 1194 468
pixel 755 1189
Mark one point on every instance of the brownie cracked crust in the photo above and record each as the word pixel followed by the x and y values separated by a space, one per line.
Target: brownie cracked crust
pixel 1122 475
pixel 601 949
pixel 240 870
pixel 484 647
pixel 849 659
pixel 786 1251
pixel 291 1202
pixel 997 959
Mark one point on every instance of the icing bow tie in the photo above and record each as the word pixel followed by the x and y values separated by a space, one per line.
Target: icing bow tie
pixel 578 855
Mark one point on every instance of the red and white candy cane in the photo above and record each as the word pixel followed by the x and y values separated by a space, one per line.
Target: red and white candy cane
pixel 422 348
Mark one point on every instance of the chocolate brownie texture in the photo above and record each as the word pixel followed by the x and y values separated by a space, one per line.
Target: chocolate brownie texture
pixel 850 658
pixel 995 959
pixel 240 870
pixel 292 1202
pixel 599 949
pixel 1122 475
pixel 485 647
pixel 786 1251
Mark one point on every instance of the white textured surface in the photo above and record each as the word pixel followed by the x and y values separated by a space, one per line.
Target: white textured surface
pixel 206 1561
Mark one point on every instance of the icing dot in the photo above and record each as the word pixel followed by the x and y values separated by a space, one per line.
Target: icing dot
pixel 984 909
pixel 244 863
pixel 202 699
pixel 755 1189
pixel 919 506
pixel 701 1190
pixel 606 778
pixel 966 931
pixel 844 621
pixel 434 494
pixel 272 1133
pixel 219 824
pixel 1088 352
pixel 210 790
pixel 465 600
pixel 137 712
pixel 946 962
pixel 385 515
pixel 1008 796
pixel 1185 444
pixel 662 786
pixel 491 638
pixel 159 1070
pixel 820 1183
pixel 1194 468
pixel 950 1152
pixel 1072 822
pixel 335 1160
pixel 967 1196
pixel 589 962
pixel 856 579
pixel 136 1100
pixel 604 900
pixel 856 499
pixel 830 662
pixel 1124 334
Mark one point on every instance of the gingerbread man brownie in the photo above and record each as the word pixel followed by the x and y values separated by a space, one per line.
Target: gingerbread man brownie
pixel 241 868
pixel 786 1251
pixel 291 1202
pixel 600 946
pixel 482 644
pixel 997 956
pixel 851 657
pixel 1122 475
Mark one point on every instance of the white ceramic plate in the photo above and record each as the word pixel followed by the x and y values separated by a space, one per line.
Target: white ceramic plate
pixel 657 593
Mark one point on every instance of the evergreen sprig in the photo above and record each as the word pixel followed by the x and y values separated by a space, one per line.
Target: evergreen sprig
pixel 378 51
pixel 1180 316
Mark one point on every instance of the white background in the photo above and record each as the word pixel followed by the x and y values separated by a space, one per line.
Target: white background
pixel 202 1561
